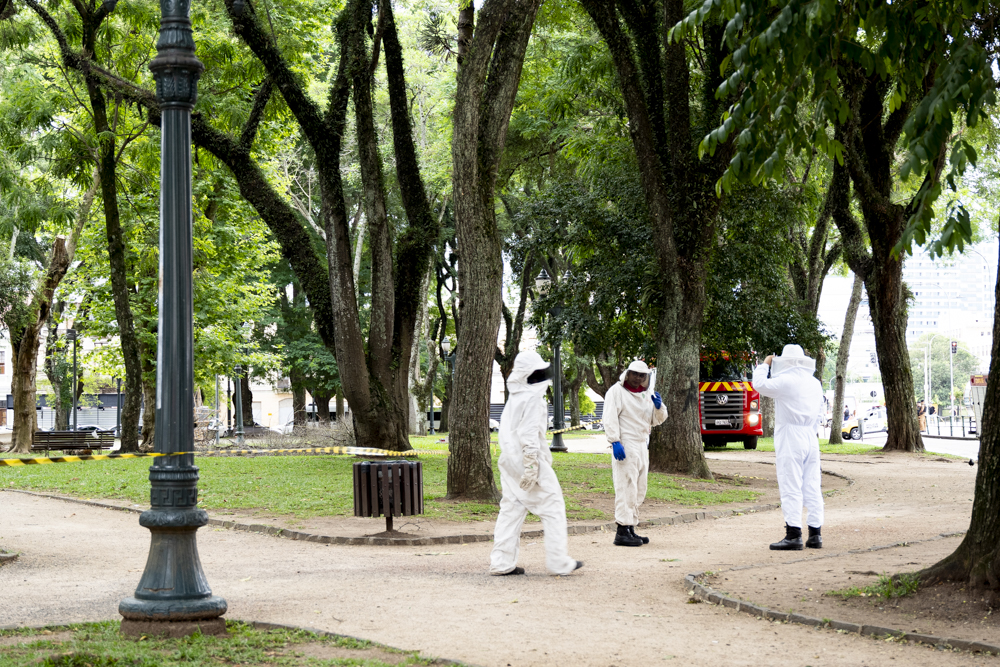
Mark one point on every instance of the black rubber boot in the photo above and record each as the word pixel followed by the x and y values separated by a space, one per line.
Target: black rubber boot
pixel 625 538
pixel 792 541
pixel 516 570
pixel 645 540
pixel 815 540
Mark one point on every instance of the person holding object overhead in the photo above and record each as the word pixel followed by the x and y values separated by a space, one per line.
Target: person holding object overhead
pixel 631 410
pixel 789 380
pixel 526 477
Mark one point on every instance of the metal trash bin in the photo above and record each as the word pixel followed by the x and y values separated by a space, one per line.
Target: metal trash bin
pixel 391 489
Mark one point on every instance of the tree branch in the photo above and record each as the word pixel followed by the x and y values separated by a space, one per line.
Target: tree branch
pixel 260 100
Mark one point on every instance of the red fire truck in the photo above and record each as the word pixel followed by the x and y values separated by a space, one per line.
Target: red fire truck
pixel 728 406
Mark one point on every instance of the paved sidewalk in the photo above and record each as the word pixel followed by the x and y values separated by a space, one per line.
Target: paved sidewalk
pixel 625 607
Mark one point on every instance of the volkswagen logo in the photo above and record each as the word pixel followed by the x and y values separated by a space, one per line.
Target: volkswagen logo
pixel 722 399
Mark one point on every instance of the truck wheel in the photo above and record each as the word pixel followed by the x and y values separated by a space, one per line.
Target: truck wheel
pixel 855 433
pixel 714 442
pixel 750 443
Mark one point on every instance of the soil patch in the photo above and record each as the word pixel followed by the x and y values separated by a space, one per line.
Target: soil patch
pixel 803 585
pixel 326 651
pixel 17 640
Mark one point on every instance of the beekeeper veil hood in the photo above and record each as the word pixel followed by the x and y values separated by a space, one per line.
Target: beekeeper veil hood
pixel 637 366
pixel 792 357
pixel 530 372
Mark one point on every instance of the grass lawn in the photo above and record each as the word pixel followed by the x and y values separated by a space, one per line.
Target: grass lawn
pixel 311 486
pixel 102 645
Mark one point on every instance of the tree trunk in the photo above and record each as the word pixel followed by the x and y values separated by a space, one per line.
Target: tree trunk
pixel 322 407
pixel 55 370
pixel 298 403
pixel 340 407
pixel 26 365
pixel 446 406
pixel 976 561
pixel 148 417
pixel 767 416
pixel 843 354
pixel 675 446
pixel 887 303
pixel 120 287
pixel 481 118
pixel 574 398
pixel 246 395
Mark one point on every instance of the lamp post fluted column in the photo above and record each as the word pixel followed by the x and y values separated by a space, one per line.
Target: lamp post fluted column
pixel 173 597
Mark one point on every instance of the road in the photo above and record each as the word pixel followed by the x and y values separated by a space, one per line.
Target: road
pixel 967 449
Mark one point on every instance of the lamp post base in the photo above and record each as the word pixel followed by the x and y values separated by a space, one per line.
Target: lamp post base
pixel 215 626
pixel 173 597
pixel 557 444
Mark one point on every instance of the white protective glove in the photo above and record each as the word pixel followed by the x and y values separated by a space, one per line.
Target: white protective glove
pixel 530 476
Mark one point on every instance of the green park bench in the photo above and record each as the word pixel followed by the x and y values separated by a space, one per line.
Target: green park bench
pixel 47 441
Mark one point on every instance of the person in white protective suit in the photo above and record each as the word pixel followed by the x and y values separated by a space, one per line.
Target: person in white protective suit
pixel 798 397
pixel 631 409
pixel 526 477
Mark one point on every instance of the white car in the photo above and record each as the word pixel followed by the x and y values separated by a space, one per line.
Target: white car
pixel 494 425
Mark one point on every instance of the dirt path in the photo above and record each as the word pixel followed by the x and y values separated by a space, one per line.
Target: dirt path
pixel 625 607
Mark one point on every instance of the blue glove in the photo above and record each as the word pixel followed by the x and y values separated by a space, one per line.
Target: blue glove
pixel 618 451
pixel 657 401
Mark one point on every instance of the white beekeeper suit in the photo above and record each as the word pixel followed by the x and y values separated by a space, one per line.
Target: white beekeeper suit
pixel 628 418
pixel 798 400
pixel 529 484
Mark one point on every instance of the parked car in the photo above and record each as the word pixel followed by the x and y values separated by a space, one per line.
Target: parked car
pixel 93 428
pixel 494 424
pixel 875 420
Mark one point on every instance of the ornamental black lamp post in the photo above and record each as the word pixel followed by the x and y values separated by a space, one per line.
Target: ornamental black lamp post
pixel 71 336
pixel 173 597
pixel 118 408
pixel 542 283
pixel 449 356
pixel 238 407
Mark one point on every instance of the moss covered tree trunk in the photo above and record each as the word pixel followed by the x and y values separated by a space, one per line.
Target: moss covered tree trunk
pixel 491 55
pixel 976 561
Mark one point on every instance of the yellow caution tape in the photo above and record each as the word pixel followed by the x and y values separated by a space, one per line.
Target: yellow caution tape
pixel 353 451
pixel 571 428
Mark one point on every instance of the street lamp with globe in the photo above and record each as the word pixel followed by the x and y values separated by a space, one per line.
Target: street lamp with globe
pixel 543 282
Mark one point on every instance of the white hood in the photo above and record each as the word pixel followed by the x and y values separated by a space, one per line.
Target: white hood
pixel 637 366
pixel 792 357
pixel 525 364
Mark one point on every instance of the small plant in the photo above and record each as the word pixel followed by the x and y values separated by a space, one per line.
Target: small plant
pixel 887 587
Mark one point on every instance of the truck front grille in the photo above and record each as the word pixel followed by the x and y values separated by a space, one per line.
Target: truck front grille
pixel 712 410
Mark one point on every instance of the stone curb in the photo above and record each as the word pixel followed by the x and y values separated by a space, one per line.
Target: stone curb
pixel 257 625
pixel 707 594
pixel 420 541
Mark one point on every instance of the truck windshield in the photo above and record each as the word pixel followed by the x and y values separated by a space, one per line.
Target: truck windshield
pixel 722 370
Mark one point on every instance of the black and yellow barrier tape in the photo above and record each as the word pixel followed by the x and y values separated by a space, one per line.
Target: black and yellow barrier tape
pixel 571 428
pixel 352 451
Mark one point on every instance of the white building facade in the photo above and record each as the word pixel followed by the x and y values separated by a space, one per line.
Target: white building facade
pixel 953 297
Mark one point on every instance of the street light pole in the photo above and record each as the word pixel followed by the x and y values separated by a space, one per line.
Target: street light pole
pixel 238 405
pixel 118 409
pixel 543 282
pixel 951 366
pixel 430 398
pixel 450 358
pixel 71 335
pixel 173 597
